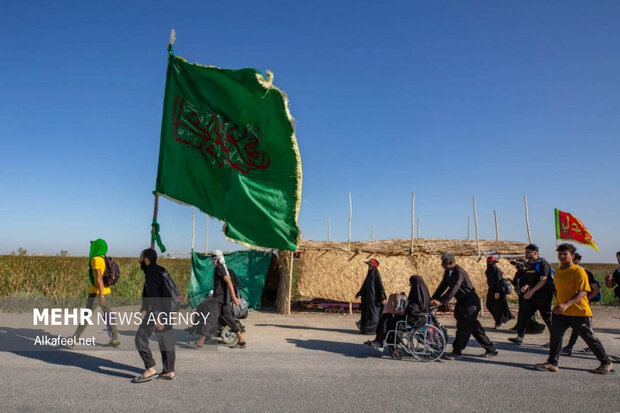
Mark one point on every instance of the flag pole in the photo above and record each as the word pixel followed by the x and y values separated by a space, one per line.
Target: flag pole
pixel 153 229
pixel 468 219
pixel 527 219
pixel 207 245
pixel 193 227
pixel 496 227
pixel 372 232
pixel 476 225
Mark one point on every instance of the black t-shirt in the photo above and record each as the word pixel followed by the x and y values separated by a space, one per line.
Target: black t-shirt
pixel 535 270
pixel 616 276
pixel 221 292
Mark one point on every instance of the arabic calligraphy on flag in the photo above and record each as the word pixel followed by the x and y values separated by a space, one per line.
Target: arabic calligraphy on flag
pixel 569 227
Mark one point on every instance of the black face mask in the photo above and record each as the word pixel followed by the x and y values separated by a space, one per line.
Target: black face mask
pixel 143 266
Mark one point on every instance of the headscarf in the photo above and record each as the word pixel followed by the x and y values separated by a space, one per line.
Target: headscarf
pixel 218 257
pixel 419 298
pixel 98 248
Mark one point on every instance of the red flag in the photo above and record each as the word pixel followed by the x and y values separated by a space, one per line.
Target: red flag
pixel 569 227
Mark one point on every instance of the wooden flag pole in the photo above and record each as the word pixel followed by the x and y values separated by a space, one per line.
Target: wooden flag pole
pixel 155 210
pixel 496 227
pixel 350 215
pixel 476 225
pixel 412 221
pixel 207 236
pixel 193 227
pixel 527 219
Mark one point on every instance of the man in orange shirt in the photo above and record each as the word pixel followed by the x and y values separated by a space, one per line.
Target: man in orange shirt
pixel 572 310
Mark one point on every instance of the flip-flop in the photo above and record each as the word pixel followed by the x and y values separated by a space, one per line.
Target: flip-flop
pixel 142 379
pixel 161 376
pixel 239 345
pixel 544 367
pixel 603 371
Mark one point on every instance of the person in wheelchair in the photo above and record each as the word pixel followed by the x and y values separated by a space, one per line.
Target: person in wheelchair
pixel 418 302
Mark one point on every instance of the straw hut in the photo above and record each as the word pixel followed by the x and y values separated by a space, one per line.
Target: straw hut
pixel 336 270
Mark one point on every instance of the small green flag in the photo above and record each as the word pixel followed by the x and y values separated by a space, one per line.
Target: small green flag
pixel 228 147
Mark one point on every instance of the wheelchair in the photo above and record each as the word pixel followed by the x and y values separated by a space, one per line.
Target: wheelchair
pixel 420 336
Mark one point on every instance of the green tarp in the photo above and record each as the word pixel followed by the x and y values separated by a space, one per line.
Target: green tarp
pixel 228 147
pixel 250 266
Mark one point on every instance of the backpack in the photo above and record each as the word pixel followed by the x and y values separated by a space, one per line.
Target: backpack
pixel 112 272
pixel 506 287
pixel 173 291
pixel 550 277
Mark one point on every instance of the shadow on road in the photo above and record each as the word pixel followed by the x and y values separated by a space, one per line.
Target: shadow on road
pixel 293 327
pixel 337 347
pixel 20 341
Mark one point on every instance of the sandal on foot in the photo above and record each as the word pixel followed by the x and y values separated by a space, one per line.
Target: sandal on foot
pixel 164 377
pixel 603 371
pixel 194 344
pixel 142 379
pixel 545 367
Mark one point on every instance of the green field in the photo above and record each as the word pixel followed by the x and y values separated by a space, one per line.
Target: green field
pixel 59 277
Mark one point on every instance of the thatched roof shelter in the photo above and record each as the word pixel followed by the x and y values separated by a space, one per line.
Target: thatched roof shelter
pixel 329 270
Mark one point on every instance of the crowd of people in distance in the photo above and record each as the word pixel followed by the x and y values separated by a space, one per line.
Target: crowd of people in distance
pixel 536 284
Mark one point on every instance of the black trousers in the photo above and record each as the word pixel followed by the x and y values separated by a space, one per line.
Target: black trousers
pixel 166 342
pixel 583 327
pixel 467 324
pixel 540 303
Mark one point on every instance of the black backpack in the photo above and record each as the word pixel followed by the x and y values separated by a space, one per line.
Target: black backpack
pixel 112 272
pixel 173 291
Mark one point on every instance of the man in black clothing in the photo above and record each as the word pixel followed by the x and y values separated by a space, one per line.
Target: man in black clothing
pixel 537 291
pixel 225 294
pixel 457 284
pixel 158 305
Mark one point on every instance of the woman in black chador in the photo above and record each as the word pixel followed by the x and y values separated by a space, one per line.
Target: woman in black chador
pixel 373 298
pixel 496 297
pixel 418 302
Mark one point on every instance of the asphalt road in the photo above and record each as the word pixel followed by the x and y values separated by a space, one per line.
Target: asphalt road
pixel 303 362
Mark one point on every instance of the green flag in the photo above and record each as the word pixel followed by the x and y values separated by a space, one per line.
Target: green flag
pixel 250 266
pixel 228 147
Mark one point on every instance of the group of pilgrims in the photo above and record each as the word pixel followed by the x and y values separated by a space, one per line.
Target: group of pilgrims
pixel 534 284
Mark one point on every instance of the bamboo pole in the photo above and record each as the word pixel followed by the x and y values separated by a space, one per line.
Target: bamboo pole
pixel 417 233
pixel 155 210
pixel 476 226
pixel 329 228
pixel 496 227
pixel 350 215
pixel 412 221
pixel 193 227
pixel 527 219
pixel 468 237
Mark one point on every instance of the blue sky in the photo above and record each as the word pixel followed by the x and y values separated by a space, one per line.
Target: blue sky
pixel 447 99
